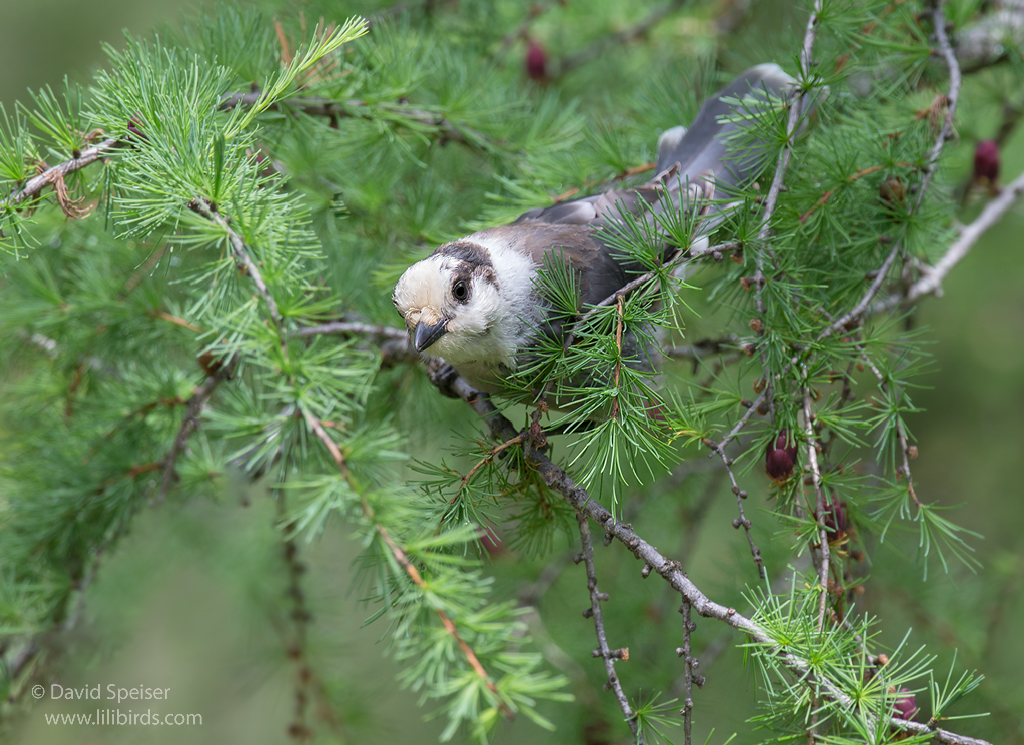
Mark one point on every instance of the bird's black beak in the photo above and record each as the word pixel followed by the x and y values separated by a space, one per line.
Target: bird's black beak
pixel 426 335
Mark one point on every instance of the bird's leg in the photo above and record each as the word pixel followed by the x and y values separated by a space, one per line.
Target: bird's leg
pixel 443 376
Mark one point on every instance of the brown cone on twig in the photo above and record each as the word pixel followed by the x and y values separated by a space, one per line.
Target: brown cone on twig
pixel 536 62
pixel 986 165
pixel 780 458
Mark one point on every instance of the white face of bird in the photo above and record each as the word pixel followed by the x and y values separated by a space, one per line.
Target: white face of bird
pixel 451 306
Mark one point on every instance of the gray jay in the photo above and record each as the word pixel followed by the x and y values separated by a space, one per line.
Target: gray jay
pixel 474 301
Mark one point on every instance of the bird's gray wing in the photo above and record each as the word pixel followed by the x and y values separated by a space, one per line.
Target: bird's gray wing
pixel 715 140
pixel 715 145
pixel 585 219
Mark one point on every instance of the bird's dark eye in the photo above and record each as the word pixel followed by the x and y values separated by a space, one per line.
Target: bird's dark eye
pixel 460 291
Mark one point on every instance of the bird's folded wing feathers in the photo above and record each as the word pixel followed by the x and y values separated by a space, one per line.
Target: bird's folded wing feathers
pixel 712 157
pixel 713 146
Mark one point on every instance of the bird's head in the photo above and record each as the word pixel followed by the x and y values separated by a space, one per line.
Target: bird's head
pixel 451 302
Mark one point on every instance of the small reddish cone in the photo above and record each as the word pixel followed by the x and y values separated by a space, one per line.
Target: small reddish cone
pixel 780 459
pixel 536 62
pixel 135 127
pixel 986 164
pixel 835 520
pixel 492 542
pixel 906 705
pixel 656 413
pixel 893 191
pixel 209 364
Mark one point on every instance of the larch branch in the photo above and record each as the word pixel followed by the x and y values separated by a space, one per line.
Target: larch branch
pixel 51 176
pixel 669 570
pixel 740 496
pixel 815 469
pixel 189 424
pixel 931 282
pixel 316 426
pixel 594 611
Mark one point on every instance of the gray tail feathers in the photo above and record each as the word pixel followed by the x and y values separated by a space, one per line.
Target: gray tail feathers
pixel 707 145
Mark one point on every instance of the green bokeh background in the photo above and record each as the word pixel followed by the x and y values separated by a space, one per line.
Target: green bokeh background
pixel 183 602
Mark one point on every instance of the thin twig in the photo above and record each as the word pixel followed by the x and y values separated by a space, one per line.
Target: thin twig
pixel 488 457
pixel 189 424
pixel 603 650
pixel 994 210
pixel 740 496
pixel 952 99
pixel 931 281
pixel 165 316
pixel 52 176
pixel 723 362
pixel 688 664
pixel 300 618
pixel 332 447
pixel 734 432
pixel 792 125
pixel 395 347
pixel 345 328
pixel 851 179
pixel 781 166
pixel 850 319
pixel 20 661
pixel 624 292
pixel 853 317
pixel 812 465
pixel 356 109
pixel 697 350
pixel 760 280
pixel 446 621
pixel 81 586
pixel 901 432
pixel 143 411
pixel 618 359
pixel 714 649
pixel 1012 115
pixel 602 183
pixel 201 206
pixel 312 106
pixel 932 159
pixel 400 556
